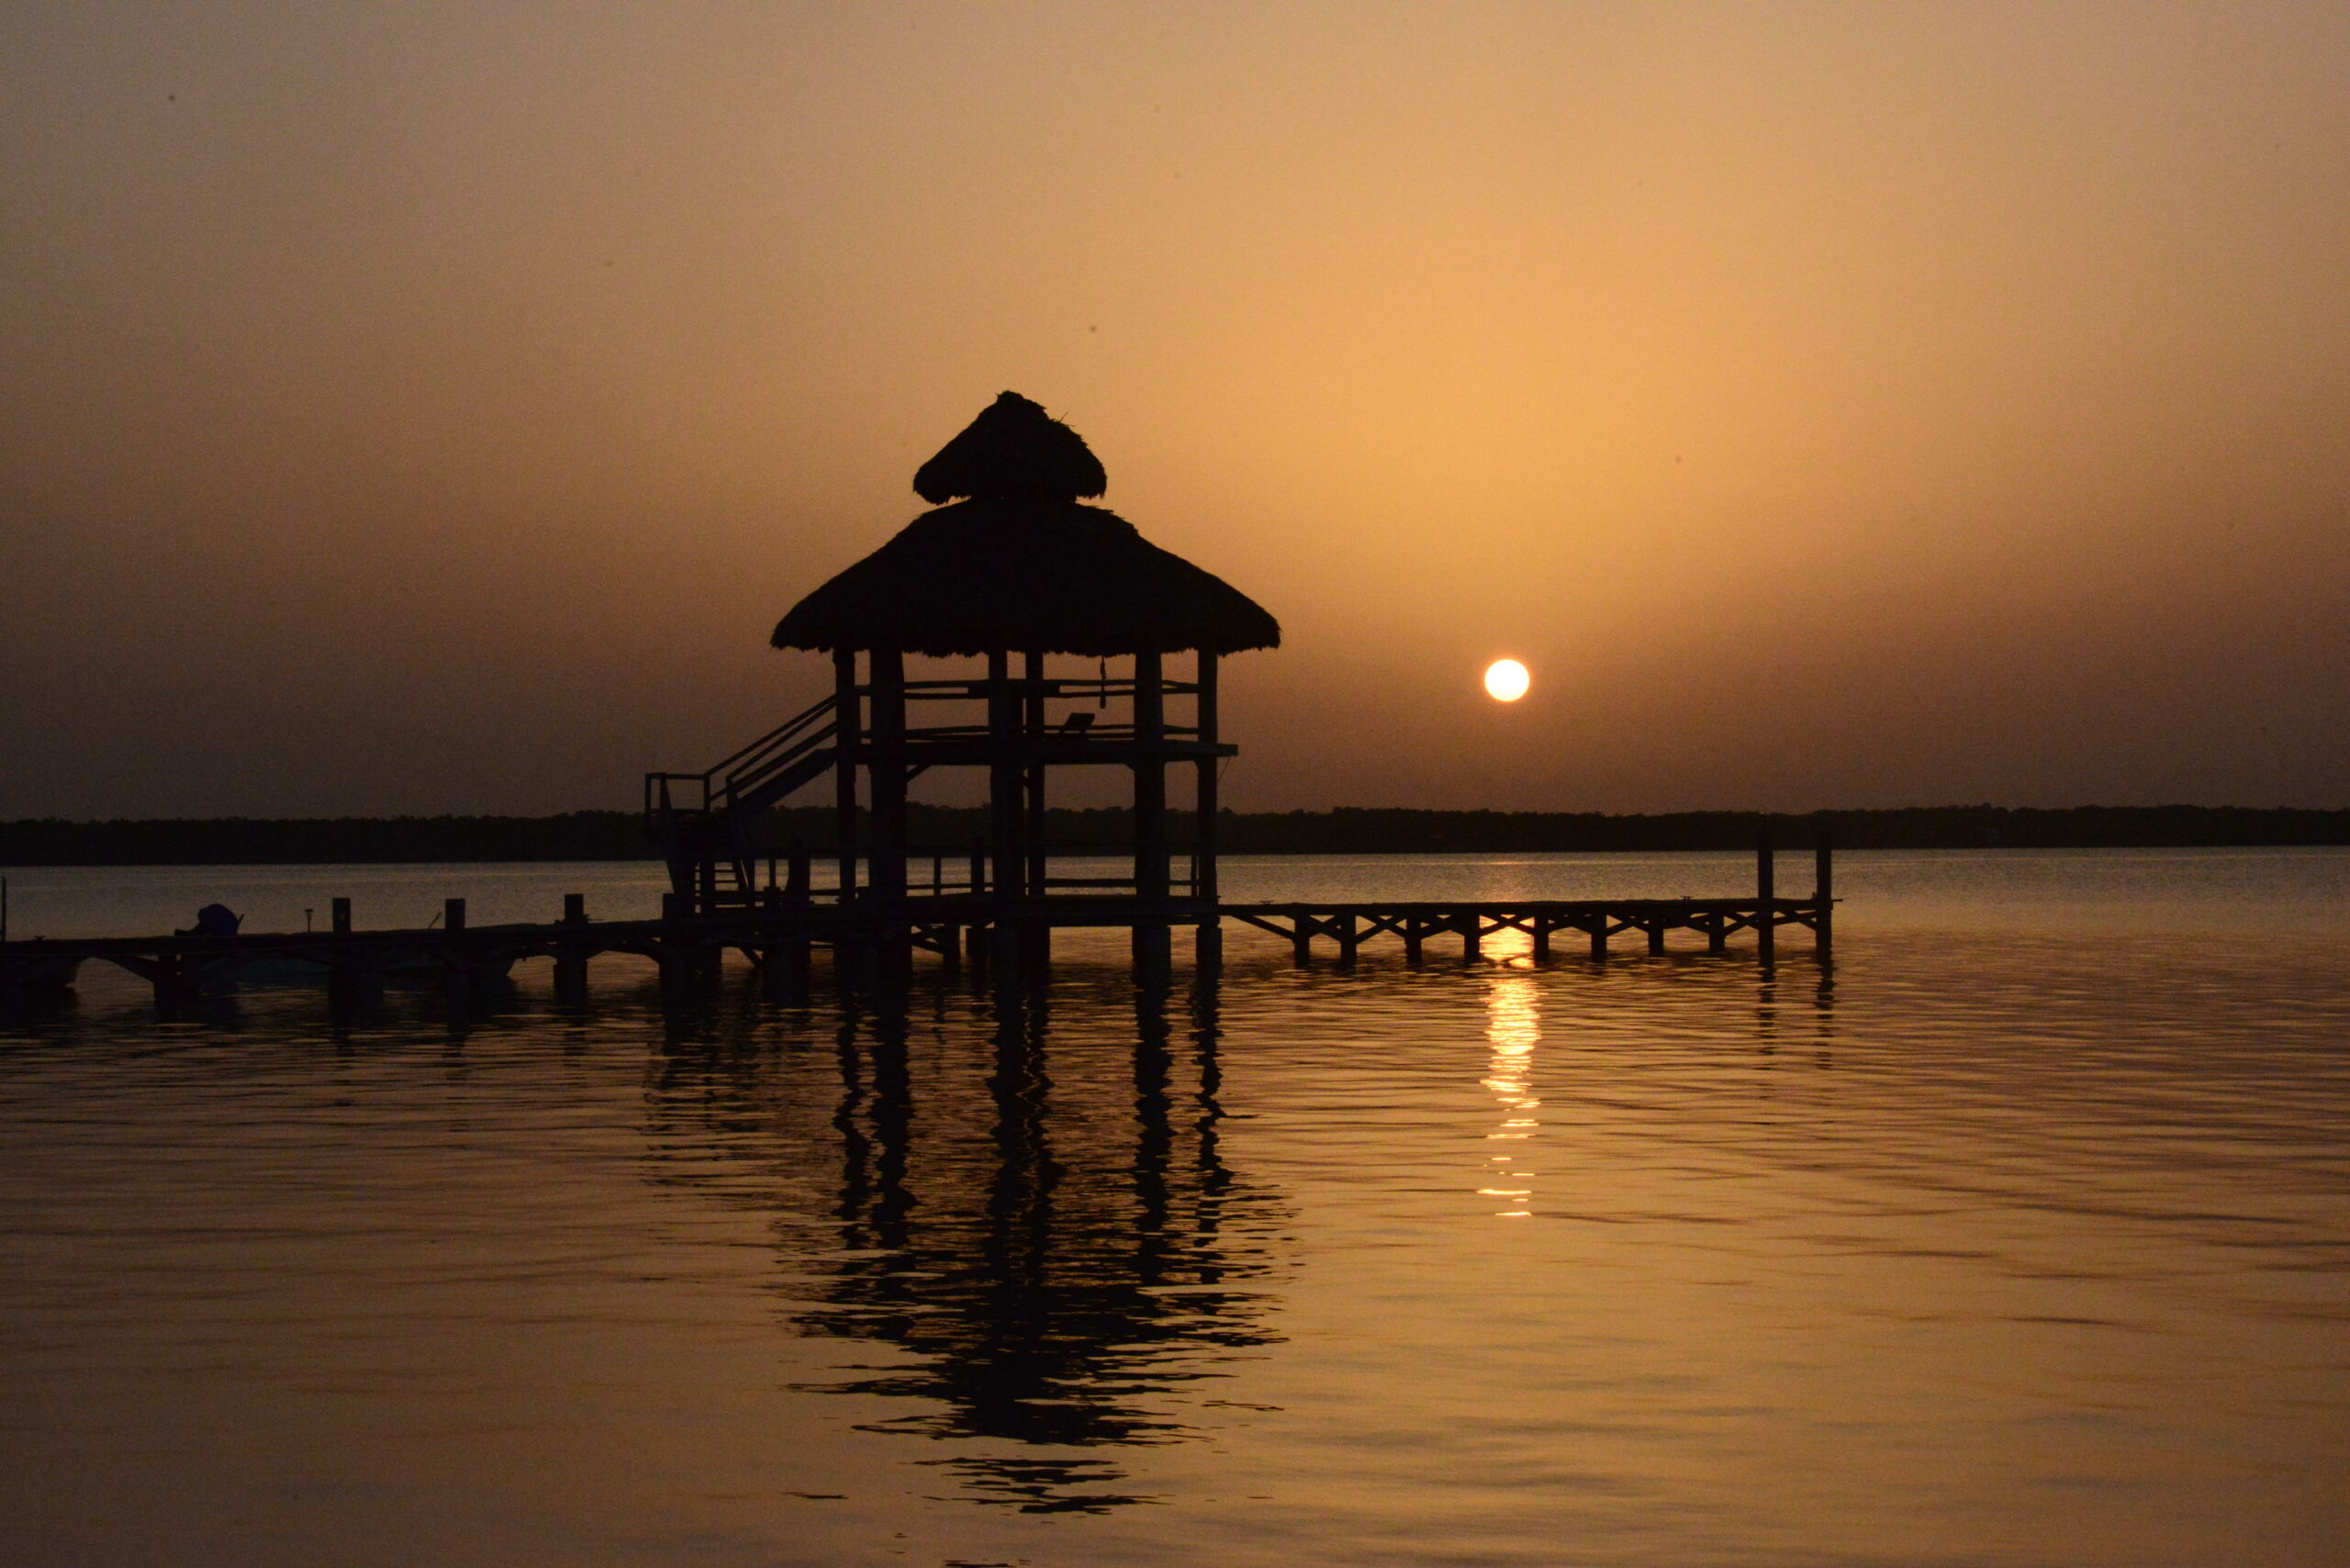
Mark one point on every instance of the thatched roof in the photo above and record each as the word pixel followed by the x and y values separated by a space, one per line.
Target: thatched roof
pixel 1013 450
pixel 1022 565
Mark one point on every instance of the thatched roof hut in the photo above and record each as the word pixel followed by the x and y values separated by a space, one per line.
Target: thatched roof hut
pixel 1017 562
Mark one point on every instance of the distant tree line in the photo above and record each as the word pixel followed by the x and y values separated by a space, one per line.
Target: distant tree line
pixel 619 835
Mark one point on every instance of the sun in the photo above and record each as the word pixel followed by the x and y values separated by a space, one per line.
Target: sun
pixel 1507 680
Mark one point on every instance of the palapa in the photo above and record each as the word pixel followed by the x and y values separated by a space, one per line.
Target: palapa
pixel 1020 564
pixel 1012 451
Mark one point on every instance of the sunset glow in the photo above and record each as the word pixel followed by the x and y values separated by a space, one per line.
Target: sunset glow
pixel 1965 379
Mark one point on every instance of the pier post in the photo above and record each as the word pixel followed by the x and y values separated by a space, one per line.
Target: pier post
pixel 1541 930
pixel 570 959
pixel 1207 947
pixel 1656 936
pixel 1598 929
pixel 1301 940
pixel 1473 939
pixel 1765 895
pixel 456 974
pixel 1035 950
pixel 1823 887
pixel 1717 933
pixel 1349 942
pixel 670 953
pixel 1415 941
pixel 893 955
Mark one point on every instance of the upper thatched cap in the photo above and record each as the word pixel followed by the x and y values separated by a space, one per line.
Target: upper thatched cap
pixel 1013 450
pixel 1021 564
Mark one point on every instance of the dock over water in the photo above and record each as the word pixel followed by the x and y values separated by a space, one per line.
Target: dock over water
pixel 868 942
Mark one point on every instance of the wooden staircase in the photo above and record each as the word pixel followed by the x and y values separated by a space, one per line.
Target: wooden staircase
pixel 703 821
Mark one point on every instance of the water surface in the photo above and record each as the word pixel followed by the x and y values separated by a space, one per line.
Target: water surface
pixel 2018 1236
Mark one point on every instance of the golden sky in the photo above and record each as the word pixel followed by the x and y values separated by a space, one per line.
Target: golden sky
pixel 431 408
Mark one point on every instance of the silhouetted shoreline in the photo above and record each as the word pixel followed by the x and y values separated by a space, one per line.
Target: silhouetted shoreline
pixel 619 835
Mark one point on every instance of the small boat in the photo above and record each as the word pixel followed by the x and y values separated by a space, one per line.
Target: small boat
pixel 213 920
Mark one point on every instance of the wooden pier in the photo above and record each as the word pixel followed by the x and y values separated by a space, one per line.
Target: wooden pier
pixel 781 932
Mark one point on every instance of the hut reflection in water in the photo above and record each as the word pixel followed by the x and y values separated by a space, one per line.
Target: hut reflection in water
pixel 1044 1230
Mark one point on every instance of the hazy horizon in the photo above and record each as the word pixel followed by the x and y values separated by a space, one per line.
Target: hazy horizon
pixel 432 409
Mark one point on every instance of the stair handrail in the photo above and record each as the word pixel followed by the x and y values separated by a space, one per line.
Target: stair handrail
pixel 660 801
pixel 783 751
pixel 780 735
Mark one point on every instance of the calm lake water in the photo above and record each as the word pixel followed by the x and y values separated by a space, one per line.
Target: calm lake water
pixel 2023 1237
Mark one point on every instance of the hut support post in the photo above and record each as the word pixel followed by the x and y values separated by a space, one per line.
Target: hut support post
pixel 1006 809
pixel 886 775
pixel 1032 729
pixel 846 739
pixel 886 771
pixel 1150 939
pixel 1204 877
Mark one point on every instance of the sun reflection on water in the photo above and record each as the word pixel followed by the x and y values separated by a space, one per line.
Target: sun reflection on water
pixel 1513 1028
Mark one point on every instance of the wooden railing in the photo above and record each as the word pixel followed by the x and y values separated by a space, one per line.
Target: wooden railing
pixel 936 872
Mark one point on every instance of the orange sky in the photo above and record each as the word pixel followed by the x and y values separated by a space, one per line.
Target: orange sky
pixel 433 408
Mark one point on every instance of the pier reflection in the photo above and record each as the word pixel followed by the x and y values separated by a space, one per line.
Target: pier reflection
pixel 1025 1201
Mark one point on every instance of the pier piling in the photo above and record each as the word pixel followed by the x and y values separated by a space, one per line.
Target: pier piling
pixel 1823 891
